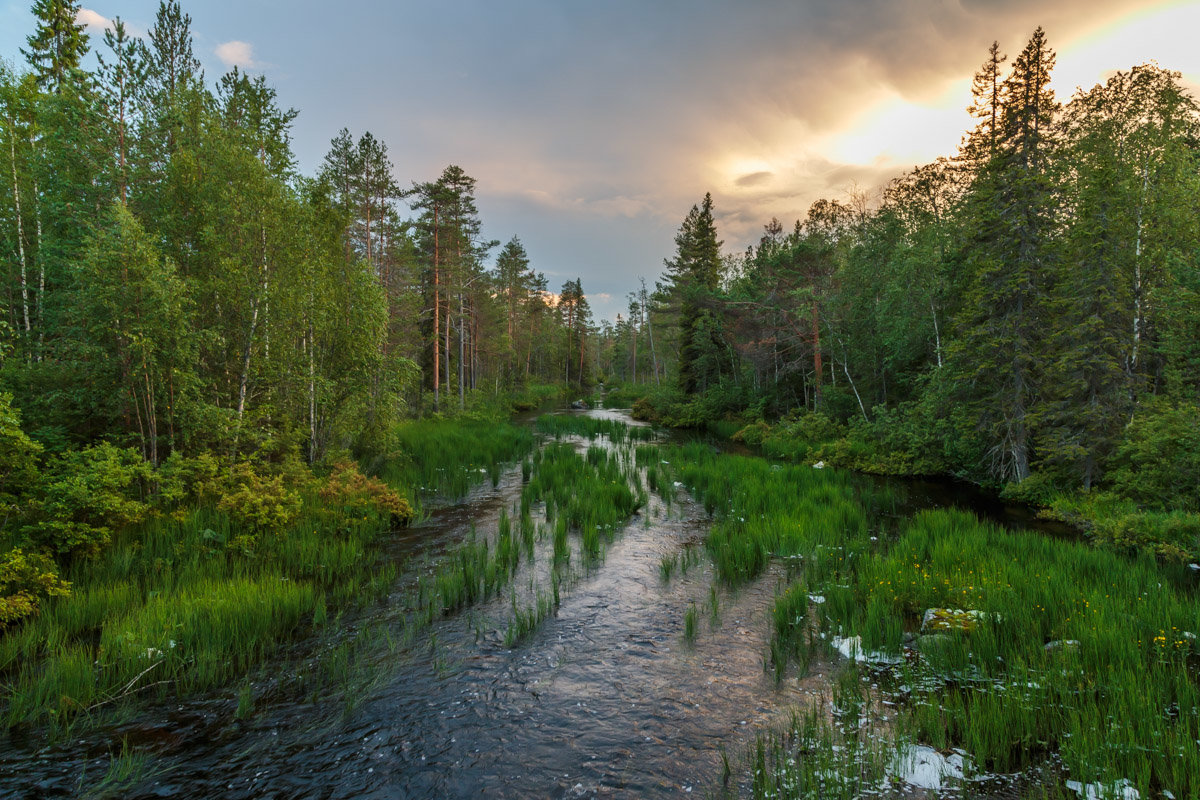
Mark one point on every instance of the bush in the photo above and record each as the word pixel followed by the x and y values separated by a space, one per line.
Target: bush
pixel 753 434
pixel 25 580
pixel 18 456
pixel 644 410
pixel 86 495
pixel 184 481
pixel 258 503
pixel 1158 463
pixel 360 496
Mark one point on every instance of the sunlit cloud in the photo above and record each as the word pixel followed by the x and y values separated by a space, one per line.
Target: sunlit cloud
pixel 237 54
pixel 95 22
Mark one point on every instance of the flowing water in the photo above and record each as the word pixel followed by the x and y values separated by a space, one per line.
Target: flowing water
pixel 605 699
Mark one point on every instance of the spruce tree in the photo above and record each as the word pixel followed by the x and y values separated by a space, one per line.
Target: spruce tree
pixel 694 275
pixel 1010 213
pixel 58 43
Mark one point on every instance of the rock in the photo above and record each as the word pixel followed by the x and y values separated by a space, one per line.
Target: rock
pixel 819 465
pixel 953 619
pixel 932 641
pixel 579 405
pixel 851 647
pixel 1120 790
pixel 926 768
pixel 1062 644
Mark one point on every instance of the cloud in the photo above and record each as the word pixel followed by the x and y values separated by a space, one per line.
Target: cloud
pixel 96 23
pixel 237 54
pixel 754 178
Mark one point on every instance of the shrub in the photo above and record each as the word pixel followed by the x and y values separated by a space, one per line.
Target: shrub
pixel 359 496
pixel 87 494
pixel 258 503
pixel 189 481
pixel 643 409
pixel 18 455
pixel 1158 463
pixel 26 579
pixel 753 434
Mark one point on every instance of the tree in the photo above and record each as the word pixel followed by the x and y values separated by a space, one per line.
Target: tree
pixel 132 319
pixel 122 81
pixel 693 276
pixel 1010 209
pixel 576 317
pixel 57 45
pixel 514 282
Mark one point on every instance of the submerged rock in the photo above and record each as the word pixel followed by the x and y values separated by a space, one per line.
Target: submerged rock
pixel 851 647
pixel 1120 790
pixel 953 619
pixel 926 768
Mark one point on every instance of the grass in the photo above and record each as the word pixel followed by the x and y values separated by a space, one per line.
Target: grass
pixel 560 425
pixel 525 620
pixel 792 639
pixel 126 769
pixel 446 458
pixel 811 758
pixel 1077 654
pixel 763 510
pixel 592 495
pixel 689 623
pixel 1081 652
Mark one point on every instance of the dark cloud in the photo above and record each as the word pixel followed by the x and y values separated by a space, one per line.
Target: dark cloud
pixel 754 178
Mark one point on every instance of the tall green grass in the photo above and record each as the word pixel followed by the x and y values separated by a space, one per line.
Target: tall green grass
pixel 560 425
pixel 176 607
pixel 446 458
pixel 1079 652
pixel 1076 654
pixel 764 511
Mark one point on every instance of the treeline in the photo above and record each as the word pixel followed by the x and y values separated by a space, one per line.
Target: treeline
pixel 1024 313
pixel 172 283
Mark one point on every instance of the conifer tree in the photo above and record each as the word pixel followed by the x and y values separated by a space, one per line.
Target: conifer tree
pixel 1011 214
pixel 58 43
pixel 693 276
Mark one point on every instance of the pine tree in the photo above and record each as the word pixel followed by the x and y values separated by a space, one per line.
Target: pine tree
pixel 122 82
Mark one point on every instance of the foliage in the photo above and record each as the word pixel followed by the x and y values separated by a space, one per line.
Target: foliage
pixel 26 579
pixel 357 495
pixel 86 495
pixel 1158 462
pixel 257 502
pixel 18 456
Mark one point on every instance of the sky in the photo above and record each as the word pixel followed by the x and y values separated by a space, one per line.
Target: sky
pixel 592 127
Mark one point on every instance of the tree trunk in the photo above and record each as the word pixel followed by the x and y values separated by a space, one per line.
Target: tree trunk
pixel 12 149
pixel 41 295
pixel 437 322
pixel 818 367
